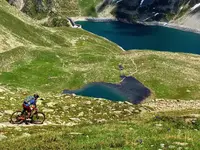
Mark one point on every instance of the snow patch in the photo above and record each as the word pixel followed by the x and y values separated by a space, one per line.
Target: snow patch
pixel 195 6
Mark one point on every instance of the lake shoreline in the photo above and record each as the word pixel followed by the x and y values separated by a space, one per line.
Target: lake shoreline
pixel 154 23
pixel 171 25
pixel 129 89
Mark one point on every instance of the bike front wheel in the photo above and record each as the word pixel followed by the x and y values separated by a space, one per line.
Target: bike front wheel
pixel 38 118
pixel 16 118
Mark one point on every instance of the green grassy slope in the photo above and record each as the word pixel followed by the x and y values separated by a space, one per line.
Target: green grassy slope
pixel 74 122
pixel 171 75
pixel 52 59
pixel 98 124
pixel 108 136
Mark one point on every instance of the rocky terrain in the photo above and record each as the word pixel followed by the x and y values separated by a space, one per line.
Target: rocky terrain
pixel 150 10
pixel 180 12
pixel 100 123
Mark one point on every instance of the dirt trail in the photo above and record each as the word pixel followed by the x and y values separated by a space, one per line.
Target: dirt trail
pixel 8 124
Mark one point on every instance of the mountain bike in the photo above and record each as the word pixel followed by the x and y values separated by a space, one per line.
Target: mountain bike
pixel 37 117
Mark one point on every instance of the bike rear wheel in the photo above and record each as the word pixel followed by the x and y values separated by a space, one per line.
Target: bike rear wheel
pixel 38 118
pixel 15 118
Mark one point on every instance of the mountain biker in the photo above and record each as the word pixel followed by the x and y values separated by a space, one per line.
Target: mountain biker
pixel 29 104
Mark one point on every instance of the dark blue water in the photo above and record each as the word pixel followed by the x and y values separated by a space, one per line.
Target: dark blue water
pixel 100 90
pixel 129 89
pixel 137 36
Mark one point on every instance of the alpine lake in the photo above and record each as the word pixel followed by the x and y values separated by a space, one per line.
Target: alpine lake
pixel 130 37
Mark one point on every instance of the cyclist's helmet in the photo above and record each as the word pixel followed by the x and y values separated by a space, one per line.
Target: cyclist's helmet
pixel 36 96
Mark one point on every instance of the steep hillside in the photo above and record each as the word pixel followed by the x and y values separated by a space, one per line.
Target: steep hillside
pixel 148 10
pixel 191 18
pixel 181 12
pixel 42 8
pixel 52 59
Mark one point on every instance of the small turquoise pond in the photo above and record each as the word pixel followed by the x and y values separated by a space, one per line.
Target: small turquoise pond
pixel 129 89
pixel 137 36
pixel 100 91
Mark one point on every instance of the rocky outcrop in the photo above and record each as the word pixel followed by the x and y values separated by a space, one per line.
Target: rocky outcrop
pixel 34 8
pixel 191 18
pixel 19 4
pixel 152 10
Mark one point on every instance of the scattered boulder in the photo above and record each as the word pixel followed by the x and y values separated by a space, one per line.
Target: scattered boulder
pixel 159 125
pixel 127 110
pixel 8 112
pixel 88 102
pixel 73 94
pixel 75 119
pixel 65 108
pixel 81 114
pixel 70 124
pixel 73 105
pixel 162 145
pixel 12 99
pixel 47 110
pixel 2 90
pixel 136 111
pixel 171 146
pixel 142 109
pixel 126 102
pixel 75 133
pixel 181 143
pixel 51 104
pixel 101 120
pixel 26 135
pixel 67 96
pixel 117 112
pixel 2 126
pixel 2 98
pixel 2 137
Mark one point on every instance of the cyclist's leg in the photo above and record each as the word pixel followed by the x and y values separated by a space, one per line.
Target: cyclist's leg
pixel 24 109
pixel 28 109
